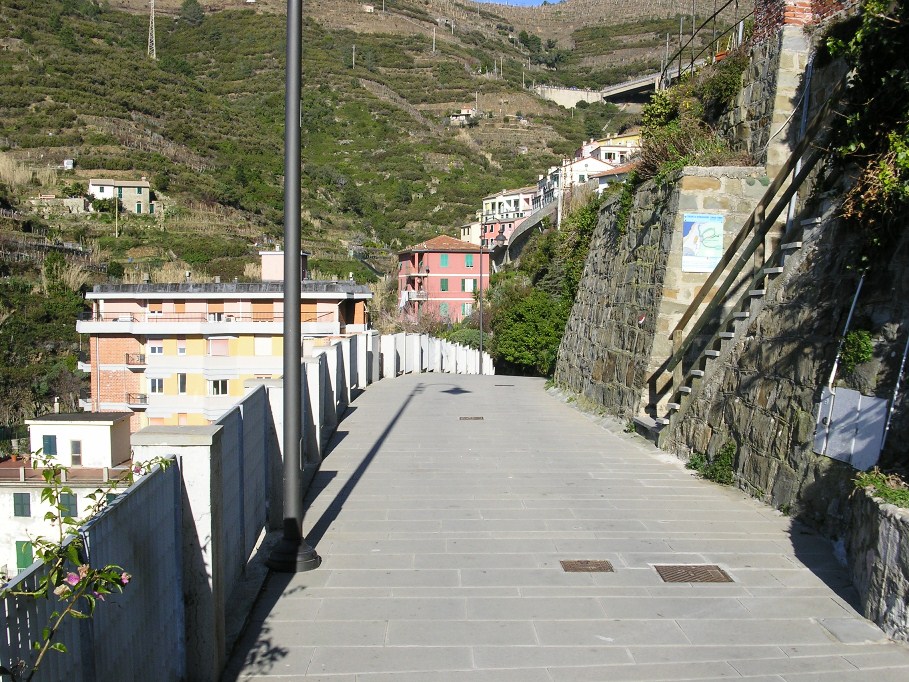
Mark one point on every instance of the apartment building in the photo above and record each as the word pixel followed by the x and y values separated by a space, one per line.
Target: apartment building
pixel 440 277
pixel 504 212
pixel 179 353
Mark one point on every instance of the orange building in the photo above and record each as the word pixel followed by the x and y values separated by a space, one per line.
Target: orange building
pixel 179 353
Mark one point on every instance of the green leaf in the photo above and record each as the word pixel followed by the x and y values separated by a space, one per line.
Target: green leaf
pixel 58 646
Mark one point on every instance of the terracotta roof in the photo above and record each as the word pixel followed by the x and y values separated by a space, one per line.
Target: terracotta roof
pixel 443 243
pixel 618 170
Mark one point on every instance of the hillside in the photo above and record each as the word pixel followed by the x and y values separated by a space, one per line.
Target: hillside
pixel 204 123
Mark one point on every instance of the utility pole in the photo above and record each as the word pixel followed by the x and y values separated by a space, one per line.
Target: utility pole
pixel 354 60
pixel 152 52
pixel 292 554
pixel 480 303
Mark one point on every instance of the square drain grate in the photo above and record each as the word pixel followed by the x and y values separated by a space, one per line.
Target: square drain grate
pixel 586 566
pixel 693 574
pixel 471 419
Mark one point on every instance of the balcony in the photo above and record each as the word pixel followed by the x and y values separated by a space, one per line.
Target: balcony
pixel 417 295
pixel 137 400
pixel 203 323
pixel 135 359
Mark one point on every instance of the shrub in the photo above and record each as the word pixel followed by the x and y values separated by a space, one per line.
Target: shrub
pixel 857 348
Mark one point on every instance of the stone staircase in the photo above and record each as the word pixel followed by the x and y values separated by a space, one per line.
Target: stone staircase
pixel 709 329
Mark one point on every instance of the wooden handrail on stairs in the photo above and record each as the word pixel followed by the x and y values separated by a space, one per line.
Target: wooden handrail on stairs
pixel 758 225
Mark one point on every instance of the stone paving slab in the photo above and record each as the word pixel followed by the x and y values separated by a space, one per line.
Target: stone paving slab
pixel 441 541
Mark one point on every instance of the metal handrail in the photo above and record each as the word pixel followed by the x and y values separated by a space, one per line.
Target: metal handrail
pixel 759 222
pixel 678 53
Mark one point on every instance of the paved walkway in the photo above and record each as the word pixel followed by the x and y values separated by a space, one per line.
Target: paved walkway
pixel 442 537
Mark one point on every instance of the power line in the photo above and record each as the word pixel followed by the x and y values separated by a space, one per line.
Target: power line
pixel 152 52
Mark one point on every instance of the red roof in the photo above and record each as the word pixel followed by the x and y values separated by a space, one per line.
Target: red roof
pixel 618 170
pixel 443 243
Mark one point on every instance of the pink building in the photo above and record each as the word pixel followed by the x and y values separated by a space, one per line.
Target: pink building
pixel 440 277
pixel 504 212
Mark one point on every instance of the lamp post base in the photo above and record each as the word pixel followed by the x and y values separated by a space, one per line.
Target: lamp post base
pixel 290 556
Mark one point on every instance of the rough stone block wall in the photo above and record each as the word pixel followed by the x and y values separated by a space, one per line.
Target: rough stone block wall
pixel 747 125
pixel 878 551
pixel 604 352
pixel 633 291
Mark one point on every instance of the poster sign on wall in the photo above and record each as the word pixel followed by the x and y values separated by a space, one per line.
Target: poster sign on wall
pixel 702 241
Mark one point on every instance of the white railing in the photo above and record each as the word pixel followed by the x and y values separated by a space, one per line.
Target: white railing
pixel 186 533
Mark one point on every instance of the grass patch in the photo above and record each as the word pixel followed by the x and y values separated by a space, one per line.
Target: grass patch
pixel 719 469
pixel 888 487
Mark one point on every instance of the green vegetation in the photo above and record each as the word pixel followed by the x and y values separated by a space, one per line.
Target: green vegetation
pixel 720 468
pixel 890 488
pixel 874 133
pixel 857 348
pixel 529 305
pixel 39 345
pixel 677 131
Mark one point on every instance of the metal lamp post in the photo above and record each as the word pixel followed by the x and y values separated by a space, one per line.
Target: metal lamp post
pixel 480 302
pixel 292 554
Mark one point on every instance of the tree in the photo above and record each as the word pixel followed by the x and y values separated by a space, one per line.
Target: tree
pixel 191 12
pixel 528 333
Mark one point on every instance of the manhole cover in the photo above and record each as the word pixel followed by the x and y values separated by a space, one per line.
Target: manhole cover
pixel 470 419
pixel 693 574
pixel 586 566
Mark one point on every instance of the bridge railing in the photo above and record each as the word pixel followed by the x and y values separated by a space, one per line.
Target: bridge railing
pixel 187 534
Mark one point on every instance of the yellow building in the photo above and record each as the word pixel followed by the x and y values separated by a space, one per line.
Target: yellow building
pixel 179 353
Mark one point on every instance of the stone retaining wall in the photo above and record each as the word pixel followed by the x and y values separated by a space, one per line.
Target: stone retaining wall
pixel 633 291
pixel 878 551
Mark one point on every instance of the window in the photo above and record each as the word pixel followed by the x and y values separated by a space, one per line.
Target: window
pixel 138 190
pixel 466 309
pixel 119 192
pixel 443 260
pixel 155 346
pixel 468 285
pixel 582 178
pixel 156 385
pixel 443 310
pixel 181 346
pixel 217 387
pixel 24 556
pixel 218 347
pixel 443 284
pixel 22 504
pixel 262 345
pixel 138 207
pixel 49 446
pixel 68 505
pixel 151 208
pixel 468 260
pixel 181 384
pixel 75 449
pixel 215 312
pixel 155 308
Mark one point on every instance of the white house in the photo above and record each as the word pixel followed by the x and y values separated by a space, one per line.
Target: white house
pixel 86 439
pixel 95 448
pixel 134 195
pixel 611 177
